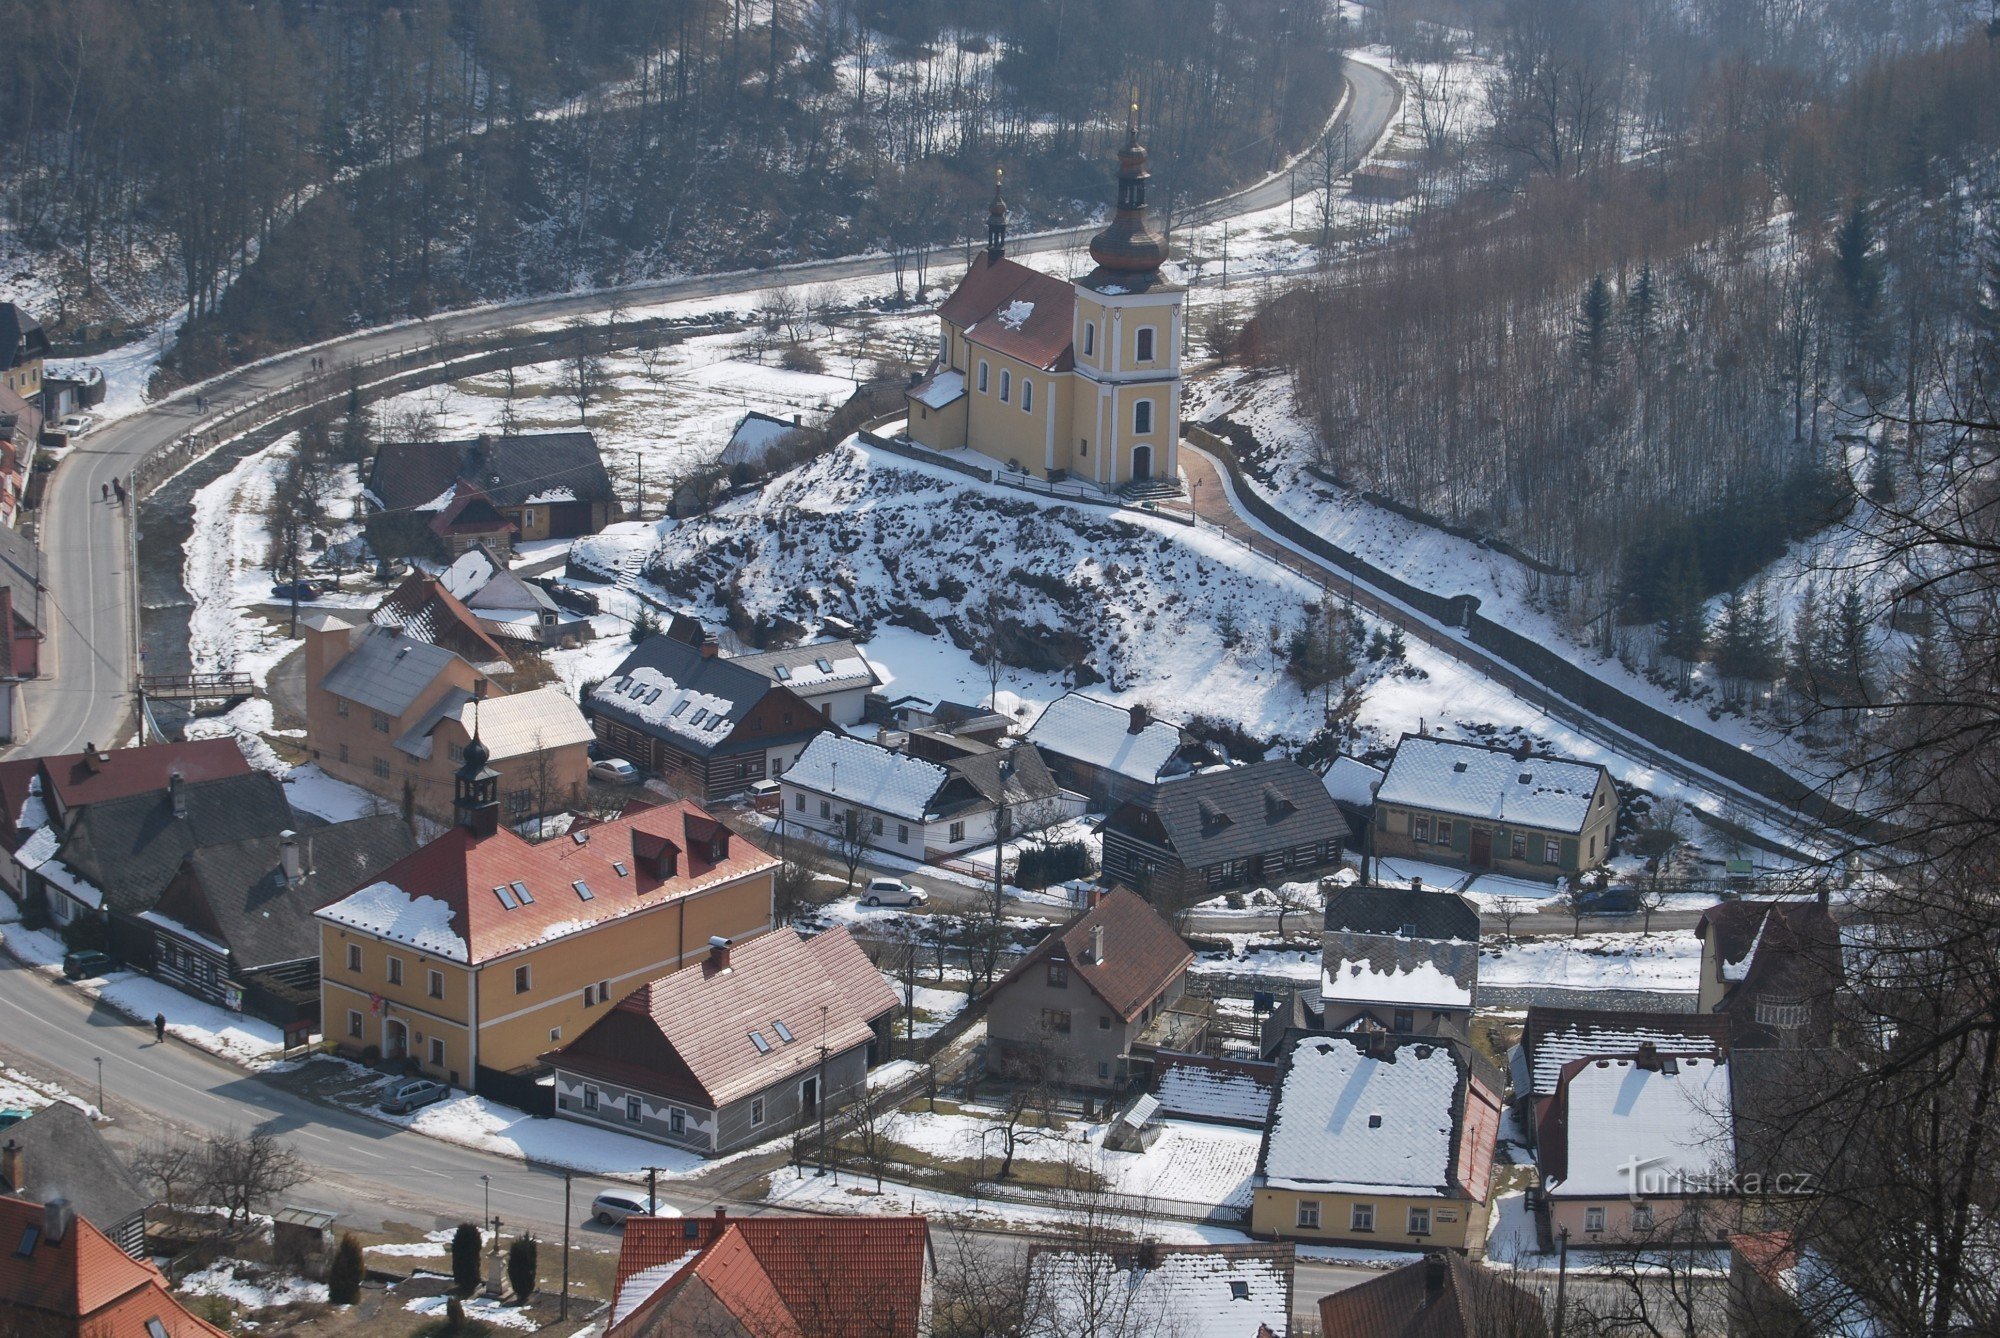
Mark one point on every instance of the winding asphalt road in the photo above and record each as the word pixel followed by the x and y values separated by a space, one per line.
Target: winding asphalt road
pixel 86 692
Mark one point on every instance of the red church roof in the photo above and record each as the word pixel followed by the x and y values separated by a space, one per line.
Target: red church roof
pixel 1007 307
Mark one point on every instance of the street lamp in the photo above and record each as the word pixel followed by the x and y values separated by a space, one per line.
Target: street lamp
pixel 100 1084
pixel 486 1219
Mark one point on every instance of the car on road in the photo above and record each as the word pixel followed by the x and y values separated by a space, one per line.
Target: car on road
pixel 86 963
pixel 306 590
pixel 1609 901
pixel 403 1095
pixel 614 771
pixel 613 1206
pixel 77 424
pixel 892 892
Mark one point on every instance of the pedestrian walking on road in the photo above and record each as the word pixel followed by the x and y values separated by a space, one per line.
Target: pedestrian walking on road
pixel 119 489
pixel 160 1027
pixel 107 491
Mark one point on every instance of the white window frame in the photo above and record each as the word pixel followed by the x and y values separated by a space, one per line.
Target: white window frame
pixel 1027 395
pixel 1552 851
pixel 635 1109
pixel 1144 344
pixel 1006 385
pixel 1307 1217
pixel 1593 1219
pixel 756 1111
pixel 1089 339
pixel 354 956
pixel 1419 1221
pixel 1361 1217
pixel 1642 1217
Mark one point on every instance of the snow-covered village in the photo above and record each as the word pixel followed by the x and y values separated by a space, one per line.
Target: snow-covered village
pixel 813 670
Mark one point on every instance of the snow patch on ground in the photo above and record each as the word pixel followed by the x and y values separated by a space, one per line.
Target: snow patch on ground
pixel 251 1286
pixel 1666 961
pixel 477 1307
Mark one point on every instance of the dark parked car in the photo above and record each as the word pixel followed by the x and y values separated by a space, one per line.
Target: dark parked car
pixel 87 962
pixel 307 591
pixel 1610 901
pixel 404 1095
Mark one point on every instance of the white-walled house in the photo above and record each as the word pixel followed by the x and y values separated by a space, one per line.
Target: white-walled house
pixel 832 675
pixel 908 806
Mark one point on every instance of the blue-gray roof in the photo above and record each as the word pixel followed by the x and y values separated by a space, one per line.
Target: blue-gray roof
pixel 386 671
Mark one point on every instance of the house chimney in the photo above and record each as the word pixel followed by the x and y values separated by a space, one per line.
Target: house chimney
pixel 288 852
pixel 90 758
pixel 177 792
pixel 718 952
pixel 1416 884
pixel 1097 945
pixel 1141 718
pixel 14 1167
pixel 798 420
pixel 1434 1275
pixel 711 646
pixel 1649 1056
pixel 56 1220
pixel 720 1212
pixel 1149 1256
pixel 1096 896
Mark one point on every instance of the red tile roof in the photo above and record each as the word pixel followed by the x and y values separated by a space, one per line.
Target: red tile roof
pixel 687 1035
pixel 1142 953
pixel 838 1277
pixel 463 870
pixel 1467 1301
pixel 990 288
pixel 84 1278
pixel 74 779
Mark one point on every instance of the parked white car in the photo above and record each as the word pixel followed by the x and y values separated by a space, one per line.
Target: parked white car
pixel 77 424
pixel 614 771
pixel 892 892
pixel 613 1206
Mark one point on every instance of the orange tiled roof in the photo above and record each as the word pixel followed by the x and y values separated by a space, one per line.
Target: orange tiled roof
pixel 84 1278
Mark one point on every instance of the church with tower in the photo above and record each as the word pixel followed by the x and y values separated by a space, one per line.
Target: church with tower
pixel 1065 380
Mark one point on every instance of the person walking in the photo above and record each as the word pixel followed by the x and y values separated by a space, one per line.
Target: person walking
pixel 106 487
pixel 160 1027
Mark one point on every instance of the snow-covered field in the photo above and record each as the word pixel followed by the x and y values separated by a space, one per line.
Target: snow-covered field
pixel 1668 960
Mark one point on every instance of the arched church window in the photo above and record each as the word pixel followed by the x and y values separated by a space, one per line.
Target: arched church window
pixel 982 378
pixel 1006 384
pixel 1027 395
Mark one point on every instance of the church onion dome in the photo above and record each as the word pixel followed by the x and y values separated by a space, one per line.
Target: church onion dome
pixel 1130 245
pixel 476 756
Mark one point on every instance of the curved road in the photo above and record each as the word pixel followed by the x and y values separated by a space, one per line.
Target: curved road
pixel 86 694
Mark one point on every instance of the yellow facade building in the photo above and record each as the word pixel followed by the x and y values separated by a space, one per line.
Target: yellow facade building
pixel 1060 380
pixel 481 951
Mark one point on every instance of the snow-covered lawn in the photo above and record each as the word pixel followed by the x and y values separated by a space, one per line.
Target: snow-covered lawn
pixel 934 1007
pixel 1668 961
pixel 252 1286
pixel 476 1122
pixel 434 1245
pixel 477 1307
pixel 1192 1163
pixel 18 1091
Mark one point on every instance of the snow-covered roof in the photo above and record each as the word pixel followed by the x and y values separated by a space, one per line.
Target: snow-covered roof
pixel 34 813
pixel 38 852
pixel 1345 1121
pixel 1099 733
pixel 388 911
pixel 527 722
pixel 937 391
pixel 1418 984
pixel 636 1290
pixel 1463 778
pixel 755 435
pixel 550 496
pixel 1349 781
pixel 867 776
pixel 1554 1037
pixel 805 669
pixel 1212 1291
pixel 1675 1127
pixel 659 701
pixel 1015 314
pixel 1212 1094
pixel 173 926
pixel 469 574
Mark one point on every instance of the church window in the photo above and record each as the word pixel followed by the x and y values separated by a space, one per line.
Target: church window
pixel 1027 395
pixel 944 346
pixel 1142 416
pixel 982 378
pixel 1006 384
pixel 1089 338
pixel 1083 448
pixel 1146 344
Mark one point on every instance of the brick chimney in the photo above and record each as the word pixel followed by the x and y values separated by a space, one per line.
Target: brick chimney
pixel 1649 1056
pixel 14 1167
pixel 1434 1276
pixel 1140 718
pixel 177 792
pixel 1097 945
pixel 90 758
pixel 1416 884
pixel 718 952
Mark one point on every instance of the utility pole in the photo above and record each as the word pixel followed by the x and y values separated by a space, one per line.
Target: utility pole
pixel 1562 1277
pixel 652 1191
pixel 563 1309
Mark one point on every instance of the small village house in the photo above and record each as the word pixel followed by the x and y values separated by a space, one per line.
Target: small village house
pixel 843 788
pixel 771 1276
pixel 1085 998
pixel 544 485
pixel 1552 1038
pixel 1187 1291
pixel 24 348
pixel 759 444
pixel 480 951
pixel 1629 1145
pixel 394 715
pixel 751 1042
pixel 1399 959
pixel 1444 1295
pixel 1773 967
pixel 424 609
pixel 64 1278
pixel 21 608
pixel 833 676
pixel 1109 753
pixel 515 612
pixel 58 1152
pixel 1378 1140
pixel 1474 807
pixel 1228 827
pixel 706 724
pixel 1065 380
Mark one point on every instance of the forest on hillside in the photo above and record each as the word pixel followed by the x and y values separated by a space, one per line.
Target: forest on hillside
pixel 1707 277
pixel 308 166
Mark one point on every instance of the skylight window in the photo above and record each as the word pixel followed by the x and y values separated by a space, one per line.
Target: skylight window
pixel 652 696
pixel 1239 1291
pixel 506 898
pixel 757 1039
pixel 583 892
pixel 1527 778
pixel 30 1236
pixel 784 1032
pixel 521 891
pixel 582 838
pixel 155 1329
pixel 824 665
pixel 782 672
pixel 618 867
pixel 694 721
pixel 679 706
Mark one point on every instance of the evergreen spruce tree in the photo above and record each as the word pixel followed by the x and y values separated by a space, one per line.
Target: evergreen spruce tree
pixel 1733 644
pixel 521 1267
pixel 1855 648
pixel 1595 345
pixel 1642 302
pixel 465 1245
pixel 343 1275
pixel 1683 621
pixel 1881 476
pixel 1860 278
pixel 1803 669
pixel 1767 649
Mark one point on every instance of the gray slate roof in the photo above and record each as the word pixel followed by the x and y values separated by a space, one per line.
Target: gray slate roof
pixel 1028 782
pixel 239 897
pixel 712 676
pixel 1386 910
pixel 1239 812
pixel 130 849
pixel 62 1153
pixel 386 671
pixel 509 470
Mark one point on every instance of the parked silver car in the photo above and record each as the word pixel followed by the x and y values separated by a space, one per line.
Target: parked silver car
pixel 892 892
pixel 403 1095
pixel 613 1206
